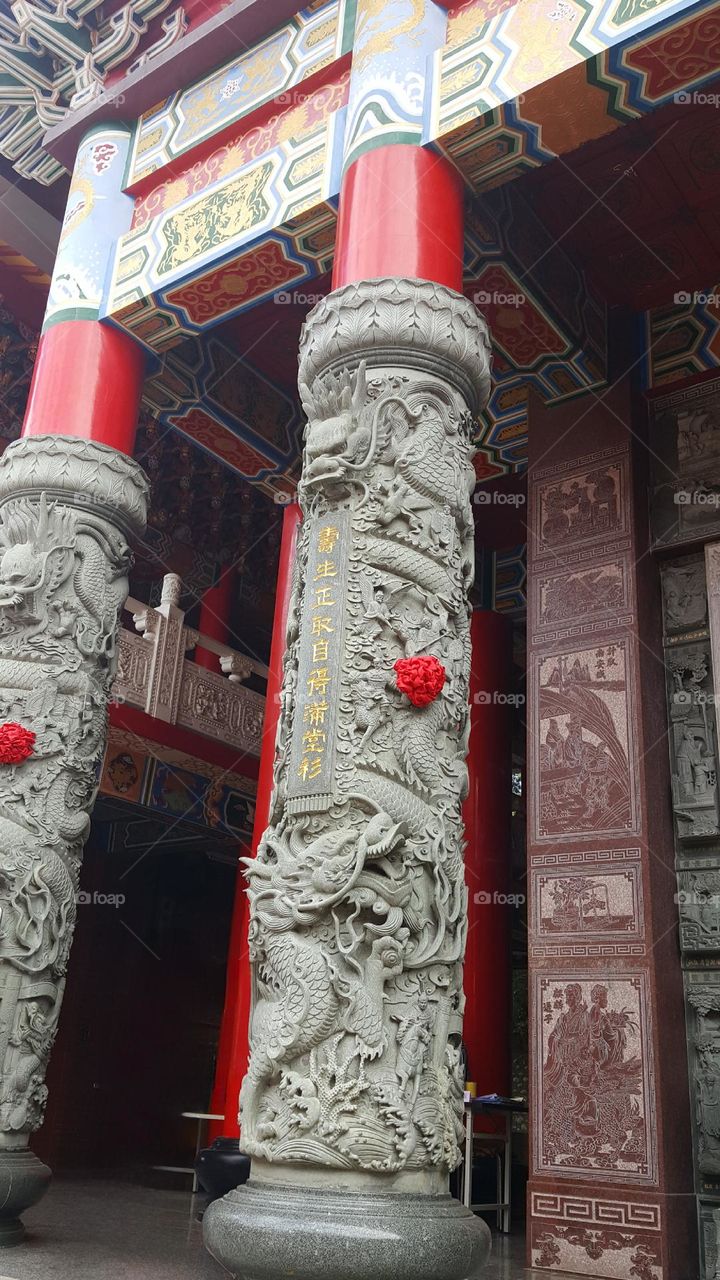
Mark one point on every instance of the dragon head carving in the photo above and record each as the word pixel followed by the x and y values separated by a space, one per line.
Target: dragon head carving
pixel 35 543
pixel 336 433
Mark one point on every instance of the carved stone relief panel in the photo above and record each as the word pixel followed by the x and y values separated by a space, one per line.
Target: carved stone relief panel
pixel 693 740
pixel 210 704
pixel 580 506
pixel 586 904
pixel 708 1225
pixel 582 599
pixel 585 1234
pixel 685 495
pixel 699 907
pixel 133 671
pixel 600 903
pixel 595 1080
pixel 584 741
pixel 703 1026
pixel 684 596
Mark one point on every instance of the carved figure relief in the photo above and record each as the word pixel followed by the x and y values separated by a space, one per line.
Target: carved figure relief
pixel 357 893
pixel 686 494
pixel 709 1253
pixel 699 909
pixel 584 735
pixel 684 594
pixel 692 740
pixel 704 1031
pixel 63 580
pixel 595 1082
pixel 698 439
pixel 583 506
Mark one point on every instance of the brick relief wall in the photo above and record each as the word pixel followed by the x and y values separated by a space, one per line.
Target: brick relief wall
pixel 610 1182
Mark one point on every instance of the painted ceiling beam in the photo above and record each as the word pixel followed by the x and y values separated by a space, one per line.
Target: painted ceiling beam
pixel 238 25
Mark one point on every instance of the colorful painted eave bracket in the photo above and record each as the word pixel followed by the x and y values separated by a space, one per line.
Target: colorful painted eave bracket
pixel 226 217
pixel 228 409
pixel 683 339
pixel 266 223
pixel 247 215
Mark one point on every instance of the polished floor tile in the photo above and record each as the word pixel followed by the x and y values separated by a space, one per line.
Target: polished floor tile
pixel 103 1230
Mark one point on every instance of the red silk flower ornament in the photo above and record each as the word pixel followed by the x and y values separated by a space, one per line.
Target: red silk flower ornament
pixel 16 743
pixel 420 678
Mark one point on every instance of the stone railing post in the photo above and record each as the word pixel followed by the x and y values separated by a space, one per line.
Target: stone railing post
pixel 67 506
pixel 352 1105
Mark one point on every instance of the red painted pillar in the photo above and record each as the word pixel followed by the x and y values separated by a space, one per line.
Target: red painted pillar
pixel 488 993
pixel 233 1045
pixel 214 621
pixel 87 382
pixel 88 376
pixel 401 214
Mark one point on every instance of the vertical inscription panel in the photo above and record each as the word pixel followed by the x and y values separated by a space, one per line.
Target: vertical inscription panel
pixel 314 734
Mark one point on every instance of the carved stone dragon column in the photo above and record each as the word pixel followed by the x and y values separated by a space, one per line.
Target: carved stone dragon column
pixel 351 1107
pixel 66 507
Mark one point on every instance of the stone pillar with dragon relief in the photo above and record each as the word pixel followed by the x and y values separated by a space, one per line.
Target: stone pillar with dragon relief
pixel 351 1108
pixel 67 509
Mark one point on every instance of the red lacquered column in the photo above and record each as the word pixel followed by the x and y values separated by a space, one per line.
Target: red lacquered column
pixel 87 382
pixel 233 1045
pixel 486 1028
pixel 88 376
pixel 76 453
pixel 214 621
pixel 401 214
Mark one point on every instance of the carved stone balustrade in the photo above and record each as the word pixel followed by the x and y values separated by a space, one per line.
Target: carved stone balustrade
pixel 155 676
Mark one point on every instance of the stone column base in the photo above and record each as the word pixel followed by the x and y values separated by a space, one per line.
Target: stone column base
pixel 308 1233
pixel 24 1179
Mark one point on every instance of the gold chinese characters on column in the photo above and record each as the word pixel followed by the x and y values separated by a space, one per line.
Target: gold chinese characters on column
pixel 321 641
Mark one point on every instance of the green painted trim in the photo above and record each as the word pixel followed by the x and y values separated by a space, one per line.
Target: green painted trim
pixel 119 127
pixel 347 39
pixel 611 89
pixel 127 170
pixel 385 140
pixel 71 313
